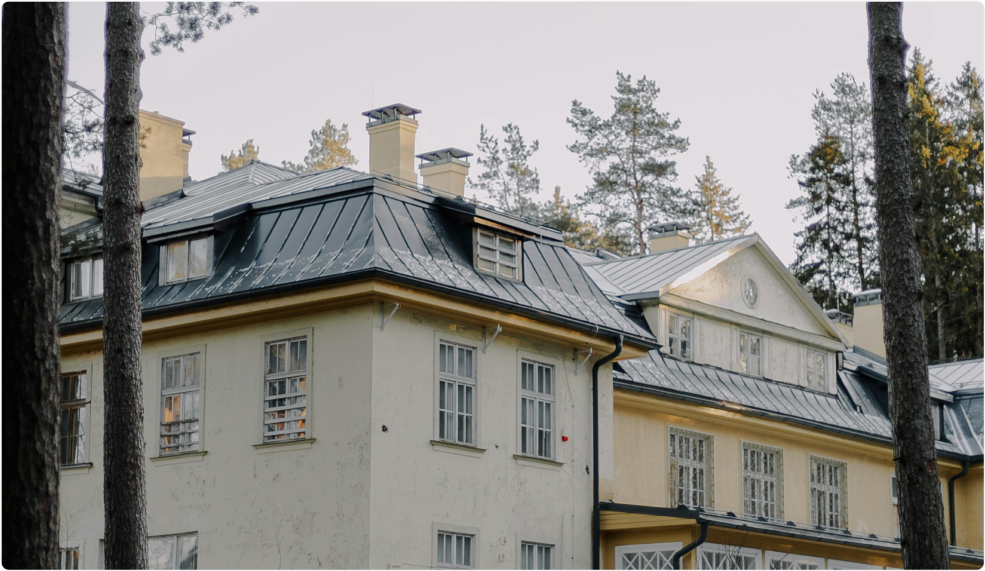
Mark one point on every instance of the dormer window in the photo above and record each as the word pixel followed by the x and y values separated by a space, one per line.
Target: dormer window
pixel 87 278
pixel 497 254
pixel 186 260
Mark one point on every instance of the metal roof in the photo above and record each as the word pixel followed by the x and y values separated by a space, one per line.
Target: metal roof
pixel 81 182
pixel 960 376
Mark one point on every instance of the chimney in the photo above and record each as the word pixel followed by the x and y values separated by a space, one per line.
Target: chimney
pixel 164 149
pixel 669 236
pixel 868 330
pixel 391 141
pixel 445 170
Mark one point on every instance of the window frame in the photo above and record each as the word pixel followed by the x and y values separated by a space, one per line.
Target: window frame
pixel 843 513
pixel 450 528
pixel 812 355
pixel 525 541
pixel 175 549
pixel 840 564
pixel 770 556
pixel 709 466
pixel 720 548
pixel 160 357
pixel 622 550
pixel 78 544
pixel 674 340
pixel 473 345
pixel 777 477
pixel 92 278
pixel 524 357
pixel 85 403
pixel 164 257
pixel 518 252
pixel 761 356
pixel 264 340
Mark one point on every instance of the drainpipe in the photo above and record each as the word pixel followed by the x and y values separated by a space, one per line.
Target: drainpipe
pixel 596 564
pixel 950 498
pixel 675 559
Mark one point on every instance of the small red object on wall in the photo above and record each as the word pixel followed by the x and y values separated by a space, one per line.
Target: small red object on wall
pixel 564 439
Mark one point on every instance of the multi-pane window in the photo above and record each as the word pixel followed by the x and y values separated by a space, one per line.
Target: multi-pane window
pixel 777 560
pixel 456 393
pixel 816 370
pixel 750 354
pixel 716 556
pixel 894 485
pixel 691 468
pixel 181 383
pixel 829 492
pixel 679 334
pixel 536 556
pixel 72 421
pixel 285 391
pixel 455 550
pixel 87 278
pixel 762 481
pixel 70 556
pixel 649 556
pixel 173 551
pixel 537 409
pixel 497 254
pixel 187 260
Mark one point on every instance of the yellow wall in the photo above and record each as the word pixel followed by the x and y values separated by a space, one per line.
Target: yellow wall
pixel 163 155
pixel 968 509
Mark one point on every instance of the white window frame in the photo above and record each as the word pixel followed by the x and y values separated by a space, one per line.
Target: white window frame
pixel 715 548
pixel 456 381
pixel 894 497
pixel 175 551
pixel 937 413
pixel 495 257
pixel 747 353
pixel 454 529
pixel 307 373
pixel 84 405
pixel 827 489
pixel 707 465
pixel 538 402
pixel 661 548
pixel 65 546
pixel 759 480
pixel 164 261
pixel 162 392
pixel 536 547
pixel 797 560
pixel 813 382
pixel 838 564
pixel 90 292
pixel 674 340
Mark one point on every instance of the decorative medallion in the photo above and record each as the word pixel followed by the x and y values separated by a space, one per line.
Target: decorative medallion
pixel 750 292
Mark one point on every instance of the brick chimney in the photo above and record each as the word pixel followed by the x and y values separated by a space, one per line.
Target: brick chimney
pixel 164 148
pixel 669 236
pixel 445 170
pixel 868 328
pixel 391 141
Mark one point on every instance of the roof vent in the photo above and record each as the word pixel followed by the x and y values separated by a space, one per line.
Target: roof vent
pixel 392 131
pixel 445 170
pixel 669 236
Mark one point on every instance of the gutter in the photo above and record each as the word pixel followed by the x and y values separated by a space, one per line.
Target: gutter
pixel 950 498
pixel 675 559
pixel 596 520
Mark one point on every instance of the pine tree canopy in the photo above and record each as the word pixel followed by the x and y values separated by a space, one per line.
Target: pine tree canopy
pixel 246 155
pixel 191 19
pixel 329 150
pixel 578 233
pixel 508 178
pixel 628 155
pixel 719 214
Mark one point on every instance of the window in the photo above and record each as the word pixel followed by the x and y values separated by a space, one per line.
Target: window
pixel 691 469
pixel 455 550
pixel 456 393
pixel 187 260
pixel 173 551
pixel 835 564
pixel 649 556
pixel 536 556
pixel 716 556
pixel 180 403
pixel 679 332
pixel 936 409
pixel 87 278
pixel 895 490
pixel 497 254
pixel 829 492
pixel 285 395
pixel 536 409
pixel 750 354
pixel 762 481
pixel 72 421
pixel 778 560
pixel 70 555
pixel 816 370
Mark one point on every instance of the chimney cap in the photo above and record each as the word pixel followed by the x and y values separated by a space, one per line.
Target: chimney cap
pixel 390 112
pixel 450 152
pixel 669 227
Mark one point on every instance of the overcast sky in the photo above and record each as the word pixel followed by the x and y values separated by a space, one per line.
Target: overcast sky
pixel 739 76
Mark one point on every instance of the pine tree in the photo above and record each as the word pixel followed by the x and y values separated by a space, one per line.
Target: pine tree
pixel 628 156
pixel 329 150
pixel 719 213
pixel 508 178
pixel 246 155
pixel 578 233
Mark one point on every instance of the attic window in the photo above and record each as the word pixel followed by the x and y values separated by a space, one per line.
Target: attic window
pixel 87 278
pixel 497 254
pixel 185 260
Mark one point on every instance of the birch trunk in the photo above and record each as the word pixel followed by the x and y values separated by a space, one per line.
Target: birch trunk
pixel 33 87
pixel 921 507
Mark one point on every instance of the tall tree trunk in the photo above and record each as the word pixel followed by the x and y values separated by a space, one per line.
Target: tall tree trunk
pixel 33 88
pixel 123 440
pixel 920 505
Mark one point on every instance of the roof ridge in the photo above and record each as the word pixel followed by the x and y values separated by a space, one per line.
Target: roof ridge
pixel 662 252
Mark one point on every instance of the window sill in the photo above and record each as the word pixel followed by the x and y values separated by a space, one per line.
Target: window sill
pixel 460 449
pixel 536 462
pixel 75 469
pixel 267 447
pixel 181 458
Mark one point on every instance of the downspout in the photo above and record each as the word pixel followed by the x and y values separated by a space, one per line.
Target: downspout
pixel 950 498
pixel 675 559
pixel 596 564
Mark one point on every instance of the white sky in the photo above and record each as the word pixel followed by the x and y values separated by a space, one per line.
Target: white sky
pixel 740 76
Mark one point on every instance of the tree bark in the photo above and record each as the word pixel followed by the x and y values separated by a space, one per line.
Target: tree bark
pixel 123 440
pixel 33 88
pixel 921 507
